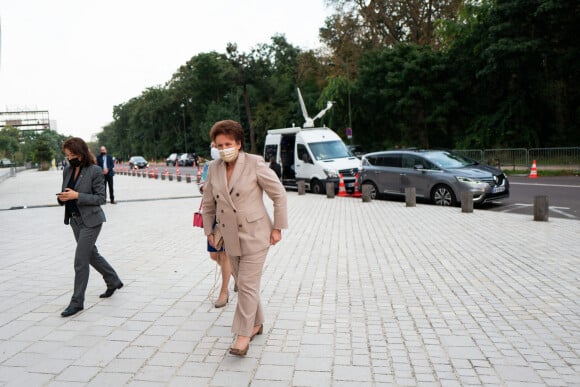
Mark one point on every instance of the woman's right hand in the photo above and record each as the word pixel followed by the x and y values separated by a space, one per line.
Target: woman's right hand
pixel 211 240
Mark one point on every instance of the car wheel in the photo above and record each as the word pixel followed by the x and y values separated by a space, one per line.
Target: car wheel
pixel 374 190
pixel 316 187
pixel 442 195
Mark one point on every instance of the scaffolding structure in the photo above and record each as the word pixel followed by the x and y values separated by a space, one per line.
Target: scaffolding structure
pixel 29 120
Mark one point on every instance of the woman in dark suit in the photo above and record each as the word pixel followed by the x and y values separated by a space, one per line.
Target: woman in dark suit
pixel 83 192
pixel 233 195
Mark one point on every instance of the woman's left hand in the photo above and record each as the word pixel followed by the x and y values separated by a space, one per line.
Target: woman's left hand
pixel 275 236
pixel 67 195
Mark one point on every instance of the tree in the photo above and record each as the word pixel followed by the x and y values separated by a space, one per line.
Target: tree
pixel 517 65
pixel 9 141
pixel 406 88
pixel 386 23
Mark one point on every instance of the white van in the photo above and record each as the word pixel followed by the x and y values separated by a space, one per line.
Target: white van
pixel 313 155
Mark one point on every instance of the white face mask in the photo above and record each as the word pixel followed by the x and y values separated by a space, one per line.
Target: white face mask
pixel 215 154
pixel 228 154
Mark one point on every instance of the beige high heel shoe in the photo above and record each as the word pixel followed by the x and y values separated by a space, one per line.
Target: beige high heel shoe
pixel 240 352
pixel 260 331
pixel 221 304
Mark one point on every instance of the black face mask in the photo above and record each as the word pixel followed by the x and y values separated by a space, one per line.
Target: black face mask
pixel 74 162
pixel 103 153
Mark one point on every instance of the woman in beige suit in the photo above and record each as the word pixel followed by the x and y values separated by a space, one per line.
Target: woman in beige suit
pixel 233 194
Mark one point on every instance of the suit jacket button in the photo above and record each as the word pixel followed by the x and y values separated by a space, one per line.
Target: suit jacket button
pixel 239 225
pixel 217 196
pixel 238 194
pixel 222 211
pixel 235 211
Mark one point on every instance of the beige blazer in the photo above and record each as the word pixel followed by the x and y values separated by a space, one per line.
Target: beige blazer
pixel 239 206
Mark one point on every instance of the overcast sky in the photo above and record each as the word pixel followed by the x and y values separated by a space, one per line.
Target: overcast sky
pixel 77 59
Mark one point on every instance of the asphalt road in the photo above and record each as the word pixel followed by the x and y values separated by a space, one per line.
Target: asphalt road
pixel 563 194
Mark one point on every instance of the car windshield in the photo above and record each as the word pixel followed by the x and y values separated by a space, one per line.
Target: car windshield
pixel 448 160
pixel 138 158
pixel 329 150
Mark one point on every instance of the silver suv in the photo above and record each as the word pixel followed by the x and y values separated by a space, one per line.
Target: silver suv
pixel 439 176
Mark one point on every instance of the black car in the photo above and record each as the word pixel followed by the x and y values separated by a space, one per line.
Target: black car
pixel 138 162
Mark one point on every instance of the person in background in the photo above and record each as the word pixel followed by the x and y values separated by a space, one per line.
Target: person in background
pixel 108 165
pixel 233 195
pixel 83 192
pixel 220 255
pixel 275 167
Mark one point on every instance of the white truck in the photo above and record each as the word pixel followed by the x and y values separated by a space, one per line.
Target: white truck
pixel 313 155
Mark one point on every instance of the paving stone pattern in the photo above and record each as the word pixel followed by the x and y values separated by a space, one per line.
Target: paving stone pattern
pixel 356 294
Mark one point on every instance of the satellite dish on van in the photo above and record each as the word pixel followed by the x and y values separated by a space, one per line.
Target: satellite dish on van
pixel 309 122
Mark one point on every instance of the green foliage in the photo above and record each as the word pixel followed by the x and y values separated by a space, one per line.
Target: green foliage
pixel 36 147
pixel 441 74
pixel 517 62
pixel 408 88
pixel 9 141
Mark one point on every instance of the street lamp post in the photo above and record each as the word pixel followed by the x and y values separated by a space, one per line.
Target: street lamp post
pixel 184 129
pixel 348 98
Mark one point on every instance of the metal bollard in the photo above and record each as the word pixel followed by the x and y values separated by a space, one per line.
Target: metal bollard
pixel 330 190
pixel 366 193
pixel 541 208
pixel 466 201
pixel 301 187
pixel 410 197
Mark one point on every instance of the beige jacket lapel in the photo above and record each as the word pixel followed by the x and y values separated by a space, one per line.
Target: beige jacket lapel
pixel 236 176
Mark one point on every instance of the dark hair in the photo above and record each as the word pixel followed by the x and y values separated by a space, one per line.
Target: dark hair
pixel 79 147
pixel 229 128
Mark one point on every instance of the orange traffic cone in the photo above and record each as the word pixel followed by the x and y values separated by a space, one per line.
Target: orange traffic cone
pixel 534 171
pixel 356 193
pixel 177 173
pixel 341 187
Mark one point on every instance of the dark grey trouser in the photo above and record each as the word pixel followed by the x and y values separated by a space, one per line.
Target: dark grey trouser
pixel 109 182
pixel 87 254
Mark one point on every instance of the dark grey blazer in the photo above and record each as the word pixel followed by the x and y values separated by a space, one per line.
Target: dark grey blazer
pixel 91 188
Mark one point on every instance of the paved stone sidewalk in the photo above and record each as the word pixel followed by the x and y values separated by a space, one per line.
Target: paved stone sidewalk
pixel 356 294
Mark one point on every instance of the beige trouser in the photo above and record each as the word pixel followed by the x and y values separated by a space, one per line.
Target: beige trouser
pixel 247 271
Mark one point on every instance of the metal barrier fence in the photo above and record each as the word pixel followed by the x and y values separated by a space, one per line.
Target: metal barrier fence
pixel 522 158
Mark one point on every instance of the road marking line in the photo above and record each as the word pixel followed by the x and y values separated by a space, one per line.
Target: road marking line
pixel 570 216
pixel 530 205
pixel 546 185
